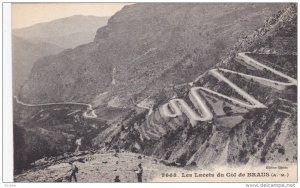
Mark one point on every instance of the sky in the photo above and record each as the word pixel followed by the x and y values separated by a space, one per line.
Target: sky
pixel 27 14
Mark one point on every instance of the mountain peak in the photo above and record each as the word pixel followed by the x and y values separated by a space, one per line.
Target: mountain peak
pixel 56 31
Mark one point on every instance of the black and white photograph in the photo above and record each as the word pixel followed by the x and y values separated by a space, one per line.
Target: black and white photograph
pixel 154 92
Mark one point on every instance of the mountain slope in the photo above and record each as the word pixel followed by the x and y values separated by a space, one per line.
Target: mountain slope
pixel 49 38
pixel 239 133
pixel 24 55
pixel 96 167
pixel 66 32
pixel 146 47
pixel 50 130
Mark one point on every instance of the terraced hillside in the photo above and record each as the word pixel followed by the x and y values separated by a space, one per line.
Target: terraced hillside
pixel 144 48
pixel 243 111
pixel 180 139
pixel 283 63
pixel 253 103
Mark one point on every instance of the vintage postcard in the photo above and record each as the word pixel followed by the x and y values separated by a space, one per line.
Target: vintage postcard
pixel 154 92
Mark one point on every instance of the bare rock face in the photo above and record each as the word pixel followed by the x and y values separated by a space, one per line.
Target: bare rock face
pixel 236 135
pixel 24 54
pixel 146 47
pixel 32 43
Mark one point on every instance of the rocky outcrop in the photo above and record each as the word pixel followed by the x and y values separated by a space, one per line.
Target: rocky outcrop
pixel 150 46
pixel 236 135
pixel 32 43
pixel 24 55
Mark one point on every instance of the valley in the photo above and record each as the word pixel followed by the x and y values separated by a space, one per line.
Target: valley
pixel 159 103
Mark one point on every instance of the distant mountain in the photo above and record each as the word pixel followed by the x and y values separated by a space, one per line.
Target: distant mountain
pixel 24 55
pixel 235 135
pixel 67 32
pixel 145 48
pixel 43 39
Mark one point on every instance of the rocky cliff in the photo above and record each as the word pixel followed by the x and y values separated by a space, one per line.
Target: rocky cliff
pixel 145 47
pixel 66 32
pixel 24 54
pixel 236 135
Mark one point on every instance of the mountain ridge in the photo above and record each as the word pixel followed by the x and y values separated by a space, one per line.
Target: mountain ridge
pixel 236 135
pixel 57 30
pixel 24 54
pixel 207 140
pixel 125 48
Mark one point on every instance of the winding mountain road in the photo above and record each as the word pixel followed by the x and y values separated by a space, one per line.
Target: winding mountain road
pixel 89 113
pixel 261 66
pixel 175 107
pixel 179 105
pixel 255 103
pixel 267 82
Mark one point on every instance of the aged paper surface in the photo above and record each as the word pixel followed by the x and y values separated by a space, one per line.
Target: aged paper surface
pixel 155 92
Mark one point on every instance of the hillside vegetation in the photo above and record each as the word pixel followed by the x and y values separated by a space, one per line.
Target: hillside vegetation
pixel 147 47
pixel 236 135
